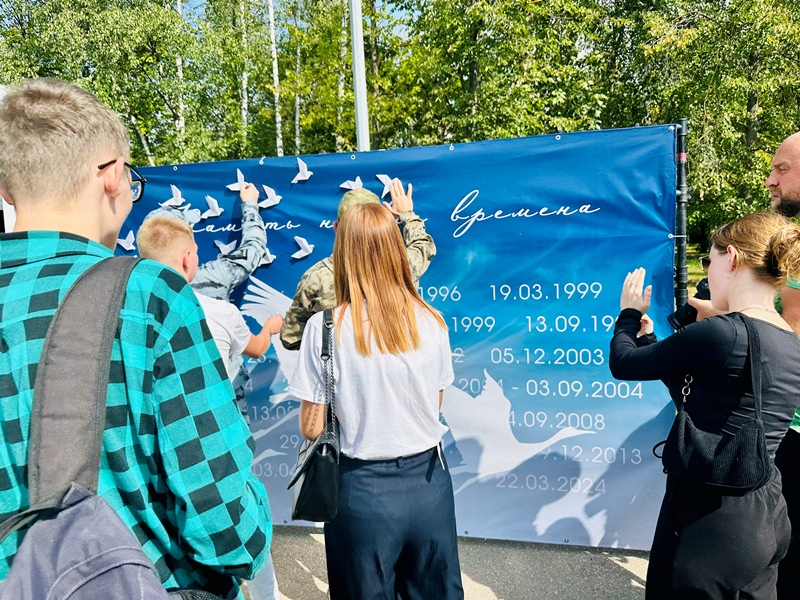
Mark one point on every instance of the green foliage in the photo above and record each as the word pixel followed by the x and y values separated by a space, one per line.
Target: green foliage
pixel 731 68
pixel 195 81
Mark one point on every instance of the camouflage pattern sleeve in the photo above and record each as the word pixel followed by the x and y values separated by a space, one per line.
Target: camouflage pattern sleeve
pixel 219 277
pixel 314 293
pixel 420 248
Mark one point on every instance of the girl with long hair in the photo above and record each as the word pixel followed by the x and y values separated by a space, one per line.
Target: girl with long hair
pixel 395 533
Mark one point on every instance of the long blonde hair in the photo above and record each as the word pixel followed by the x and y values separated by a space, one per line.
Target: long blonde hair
pixel 370 267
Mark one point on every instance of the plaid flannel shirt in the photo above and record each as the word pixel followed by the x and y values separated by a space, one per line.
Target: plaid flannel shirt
pixel 176 452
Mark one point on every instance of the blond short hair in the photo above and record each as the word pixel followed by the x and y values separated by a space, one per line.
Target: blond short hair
pixel 161 237
pixel 53 135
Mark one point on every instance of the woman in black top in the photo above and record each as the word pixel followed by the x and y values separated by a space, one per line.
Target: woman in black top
pixel 708 544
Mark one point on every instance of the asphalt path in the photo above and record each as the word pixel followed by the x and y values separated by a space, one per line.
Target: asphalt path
pixel 491 569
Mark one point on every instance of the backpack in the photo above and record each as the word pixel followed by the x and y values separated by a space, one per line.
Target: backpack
pixel 77 547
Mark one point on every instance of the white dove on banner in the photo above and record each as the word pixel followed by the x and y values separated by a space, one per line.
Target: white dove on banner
pixel 484 419
pixel 214 209
pixel 261 302
pixel 239 185
pixel 225 248
pixel 387 184
pixel 351 185
pixel 303 174
pixel 268 258
pixel 127 242
pixel 190 216
pixel 305 247
pixel 272 198
pixel 177 198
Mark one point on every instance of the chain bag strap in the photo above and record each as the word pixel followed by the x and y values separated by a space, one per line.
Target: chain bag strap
pixel 331 424
pixel 316 476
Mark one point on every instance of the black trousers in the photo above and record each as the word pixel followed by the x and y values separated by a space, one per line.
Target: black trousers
pixel 787 459
pixel 394 536
pixel 711 546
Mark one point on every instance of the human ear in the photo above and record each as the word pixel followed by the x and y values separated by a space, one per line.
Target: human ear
pixel 112 177
pixel 732 257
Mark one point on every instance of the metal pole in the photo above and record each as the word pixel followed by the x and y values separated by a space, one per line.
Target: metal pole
pixel 681 272
pixel 359 77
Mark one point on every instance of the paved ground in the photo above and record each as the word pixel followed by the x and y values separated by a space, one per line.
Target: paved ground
pixel 492 570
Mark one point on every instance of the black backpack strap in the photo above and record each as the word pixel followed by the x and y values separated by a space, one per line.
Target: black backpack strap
pixel 69 402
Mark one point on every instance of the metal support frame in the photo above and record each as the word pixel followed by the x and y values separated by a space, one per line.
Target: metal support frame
pixel 682 199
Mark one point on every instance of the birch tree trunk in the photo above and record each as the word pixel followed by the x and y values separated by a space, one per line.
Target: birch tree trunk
pixel 142 139
pixel 180 119
pixel 373 46
pixel 243 96
pixel 275 80
pixel 297 15
pixel 297 105
pixel 340 83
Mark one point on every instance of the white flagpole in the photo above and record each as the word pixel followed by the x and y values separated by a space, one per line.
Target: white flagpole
pixel 359 77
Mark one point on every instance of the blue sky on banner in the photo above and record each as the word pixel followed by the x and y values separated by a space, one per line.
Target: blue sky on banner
pixel 534 237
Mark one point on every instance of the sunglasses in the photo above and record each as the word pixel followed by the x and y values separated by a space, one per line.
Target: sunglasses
pixel 705 261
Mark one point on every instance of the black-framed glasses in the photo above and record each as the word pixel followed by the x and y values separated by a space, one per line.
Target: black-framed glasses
pixel 137 181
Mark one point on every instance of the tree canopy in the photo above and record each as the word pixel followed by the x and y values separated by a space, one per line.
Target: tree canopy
pixel 225 79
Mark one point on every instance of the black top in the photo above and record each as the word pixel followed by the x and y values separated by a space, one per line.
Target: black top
pixel 714 351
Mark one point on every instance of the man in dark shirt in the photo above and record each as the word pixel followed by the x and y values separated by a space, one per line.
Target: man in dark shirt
pixel 176 451
pixel 784 186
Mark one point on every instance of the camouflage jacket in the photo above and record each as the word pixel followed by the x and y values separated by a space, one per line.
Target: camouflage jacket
pixel 219 277
pixel 315 290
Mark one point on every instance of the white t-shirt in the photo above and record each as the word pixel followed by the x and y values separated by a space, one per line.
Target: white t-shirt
pixel 228 328
pixel 387 404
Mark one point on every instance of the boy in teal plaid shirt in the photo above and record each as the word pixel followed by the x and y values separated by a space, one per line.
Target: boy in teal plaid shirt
pixel 176 451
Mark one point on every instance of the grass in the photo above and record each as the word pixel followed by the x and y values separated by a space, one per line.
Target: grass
pixel 695 274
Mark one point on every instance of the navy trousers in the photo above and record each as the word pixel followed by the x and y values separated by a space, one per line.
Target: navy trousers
pixel 394 537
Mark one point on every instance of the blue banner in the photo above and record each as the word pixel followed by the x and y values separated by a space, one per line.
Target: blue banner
pixel 534 237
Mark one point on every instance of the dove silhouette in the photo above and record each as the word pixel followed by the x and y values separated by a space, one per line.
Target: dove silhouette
pixel 303 174
pixel 261 302
pixel 225 248
pixel 484 419
pixel 214 209
pixel 127 242
pixel 351 185
pixel 305 247
pixel 272 198
pixel 177 198
pixel 268 258
pixel 239 185
pixel 387 183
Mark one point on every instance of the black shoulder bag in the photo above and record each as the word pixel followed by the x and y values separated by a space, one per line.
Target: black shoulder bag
pixel 316 476
pixel 730 464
